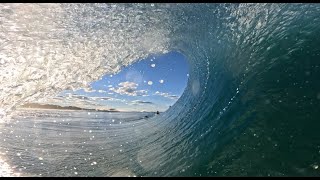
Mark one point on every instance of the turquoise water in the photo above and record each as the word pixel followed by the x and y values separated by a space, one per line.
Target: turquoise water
pixel 251 106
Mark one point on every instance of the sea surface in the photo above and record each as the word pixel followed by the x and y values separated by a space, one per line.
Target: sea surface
pixel 74 143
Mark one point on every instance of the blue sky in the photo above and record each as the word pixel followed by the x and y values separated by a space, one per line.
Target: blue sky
pixel 152 84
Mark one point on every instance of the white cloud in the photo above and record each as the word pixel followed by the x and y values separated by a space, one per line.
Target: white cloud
pixel 128 88
pixel 82 97
pixel 102 91
pixel 139 102
pixel 115 99
pixel 100 98
pixel 89 89
pixel 142 102
pixel 167 95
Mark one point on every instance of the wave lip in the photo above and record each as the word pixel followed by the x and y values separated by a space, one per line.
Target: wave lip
pixel 72 45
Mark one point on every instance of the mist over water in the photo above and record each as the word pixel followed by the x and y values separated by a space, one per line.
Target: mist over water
pixel 251 107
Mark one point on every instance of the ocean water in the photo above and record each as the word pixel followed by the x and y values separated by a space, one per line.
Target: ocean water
pixel 251 106
pixel 73 143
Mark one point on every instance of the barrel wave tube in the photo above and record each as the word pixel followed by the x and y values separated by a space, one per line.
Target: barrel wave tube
pixel 250 108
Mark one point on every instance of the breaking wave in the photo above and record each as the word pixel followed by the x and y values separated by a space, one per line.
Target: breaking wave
pixel 251 103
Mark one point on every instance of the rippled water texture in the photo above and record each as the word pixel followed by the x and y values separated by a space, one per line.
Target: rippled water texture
pixel 251 106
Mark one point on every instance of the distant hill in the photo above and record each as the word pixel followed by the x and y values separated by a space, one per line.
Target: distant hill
pixel 51 106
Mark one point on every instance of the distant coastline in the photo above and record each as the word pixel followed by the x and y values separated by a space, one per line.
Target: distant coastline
pixel 51 106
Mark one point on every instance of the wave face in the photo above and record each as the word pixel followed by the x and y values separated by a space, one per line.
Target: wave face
pixel 251 106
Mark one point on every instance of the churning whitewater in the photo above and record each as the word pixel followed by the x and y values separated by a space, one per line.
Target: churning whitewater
pixel 251 106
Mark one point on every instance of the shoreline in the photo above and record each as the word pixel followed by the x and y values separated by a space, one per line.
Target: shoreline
pixel 82 110
pixel 57 107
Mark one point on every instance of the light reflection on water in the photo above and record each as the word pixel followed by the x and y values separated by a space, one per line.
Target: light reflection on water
pixel 61 143
pixel 5 169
